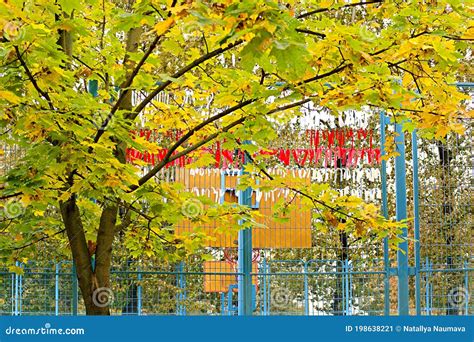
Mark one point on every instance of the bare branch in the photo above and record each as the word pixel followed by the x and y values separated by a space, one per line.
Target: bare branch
pixel 327 9
pixel 43 93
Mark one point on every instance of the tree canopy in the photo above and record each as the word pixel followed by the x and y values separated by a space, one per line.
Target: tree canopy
pixel 78 76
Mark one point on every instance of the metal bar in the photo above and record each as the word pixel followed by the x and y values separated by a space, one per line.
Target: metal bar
pixel 351 288
pixel 416 219
pixel 265 295
pixel 430 290
pixel 17 299
pixel 139 292
pixel 245 258
pixel 427 288
pixel 466 288
pixel 318 273
pixel 346 287
pixel 383 175
pixel 222 303
pixel 465 84
pixel 182 290
pixel 306 290
pixel 13 292
pixel 20 292
pixel 229 302
pixel 449 270
pixel 401 213
pixel 56 291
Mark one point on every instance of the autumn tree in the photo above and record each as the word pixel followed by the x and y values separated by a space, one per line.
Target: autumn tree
pixel 230 70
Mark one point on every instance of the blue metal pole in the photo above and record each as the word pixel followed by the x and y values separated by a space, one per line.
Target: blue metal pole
pixel 430 286
pixel 265 287
pixel 416 222
pixel 346 286
pixel 383 174
pixel 222 303
pixel 245 258
pixel 180 307
pixel 306 290
pixel 351 293
pixel 17 295
pixel 20 292
pixel 56 291
pixel 184 293
pixel 427 286
pixel 401 211
pixel 139 292
pixel 466 287
pixel 13 277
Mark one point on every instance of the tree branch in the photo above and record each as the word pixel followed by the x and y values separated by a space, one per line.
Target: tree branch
pixel 178 74
pixel 38 240
pixel 125 87
pixel 297 191
pixel 327 9
pixel 169 157
pixel 341 67
pixel 42 93
pixel 313 33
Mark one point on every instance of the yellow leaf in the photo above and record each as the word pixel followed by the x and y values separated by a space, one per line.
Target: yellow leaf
pixel 38 213
pixel 341 226
pixel 16 269
pixel 9 96
pixel 163 26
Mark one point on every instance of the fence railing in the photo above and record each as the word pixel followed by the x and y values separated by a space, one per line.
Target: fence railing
pixel 314 287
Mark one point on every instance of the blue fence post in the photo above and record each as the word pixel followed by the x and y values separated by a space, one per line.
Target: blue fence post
pixel 350 293
pixel 56 290
pixel 416 220
pixel 245 257
pixel 17 293
pixel 265 286
pixel 401 211
pixel 223 310
pixel 306 289
pixel 13 287
pixel 346 287
pixel 466 287
pixel 139 291
pixel 383 175
pixel 20 292
pixel 427 285
pixel 181 280
pixel 430 290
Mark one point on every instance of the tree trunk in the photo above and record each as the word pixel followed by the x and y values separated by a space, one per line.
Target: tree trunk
pixel 80 253
pixel 94 275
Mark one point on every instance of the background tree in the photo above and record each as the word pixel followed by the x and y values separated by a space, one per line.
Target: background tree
pixel 219 62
